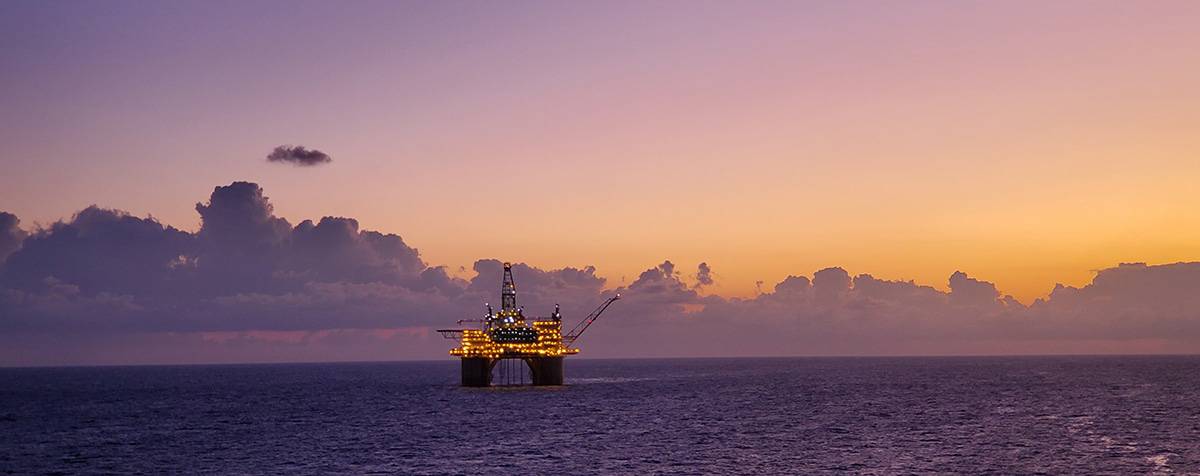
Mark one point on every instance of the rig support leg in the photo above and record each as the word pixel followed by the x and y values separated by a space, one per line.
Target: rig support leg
pixel 546 370
pixel 476 372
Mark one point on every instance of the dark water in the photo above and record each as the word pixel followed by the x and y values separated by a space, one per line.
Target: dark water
pixel 1127 415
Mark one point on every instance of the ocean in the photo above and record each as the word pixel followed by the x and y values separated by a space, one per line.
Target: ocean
pixel 973 415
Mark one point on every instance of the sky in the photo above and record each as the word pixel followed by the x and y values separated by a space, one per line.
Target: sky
pixel 1024 144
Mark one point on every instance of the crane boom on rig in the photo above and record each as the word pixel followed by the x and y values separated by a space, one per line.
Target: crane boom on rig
pixel 583 325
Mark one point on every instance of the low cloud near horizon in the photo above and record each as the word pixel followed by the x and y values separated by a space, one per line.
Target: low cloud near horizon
pixel 109 287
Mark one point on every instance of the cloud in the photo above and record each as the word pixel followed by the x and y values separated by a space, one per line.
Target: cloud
pixel 11 234
pixel 703 275
pixel 245 269
pixel 1132 299
pixel 662 285
pixel 105 278
pixel 99 250
pixel 969 291
pixel 793 286
pixel 537 290
pixel 299 156
pixel 830 285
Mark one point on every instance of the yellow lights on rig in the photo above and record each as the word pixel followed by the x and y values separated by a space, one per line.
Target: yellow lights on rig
pixel 549 343
pixel 476 343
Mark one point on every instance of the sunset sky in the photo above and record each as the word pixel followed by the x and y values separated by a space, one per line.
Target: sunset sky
pixel 1024 143
pixel 1030 143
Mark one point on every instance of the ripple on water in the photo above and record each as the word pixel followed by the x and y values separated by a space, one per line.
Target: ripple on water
pixel 717 416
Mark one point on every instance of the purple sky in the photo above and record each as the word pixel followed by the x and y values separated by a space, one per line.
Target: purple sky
pixel 733 167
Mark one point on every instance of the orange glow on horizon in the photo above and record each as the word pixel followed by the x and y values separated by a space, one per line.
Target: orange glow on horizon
pixel 1024 143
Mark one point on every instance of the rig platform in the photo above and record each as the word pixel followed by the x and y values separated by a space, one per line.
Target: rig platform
pixel 504 340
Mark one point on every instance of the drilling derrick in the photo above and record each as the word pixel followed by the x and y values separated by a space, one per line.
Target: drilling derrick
pixel 505 341
pixel 508 290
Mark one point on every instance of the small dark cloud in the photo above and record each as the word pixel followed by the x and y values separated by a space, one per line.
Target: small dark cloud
pixel 298 155
pixel 703 275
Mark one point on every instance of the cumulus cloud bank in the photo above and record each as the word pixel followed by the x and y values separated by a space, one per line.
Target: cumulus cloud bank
pixel 11 234
pixel 299 156
pixel 251 285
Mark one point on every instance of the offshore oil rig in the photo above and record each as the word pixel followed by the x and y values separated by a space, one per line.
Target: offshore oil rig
pixel 504 341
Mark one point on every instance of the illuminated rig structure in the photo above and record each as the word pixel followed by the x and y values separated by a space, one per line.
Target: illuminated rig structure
pixel 504 340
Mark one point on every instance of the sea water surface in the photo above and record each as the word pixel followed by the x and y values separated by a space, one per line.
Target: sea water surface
pixel 977 415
